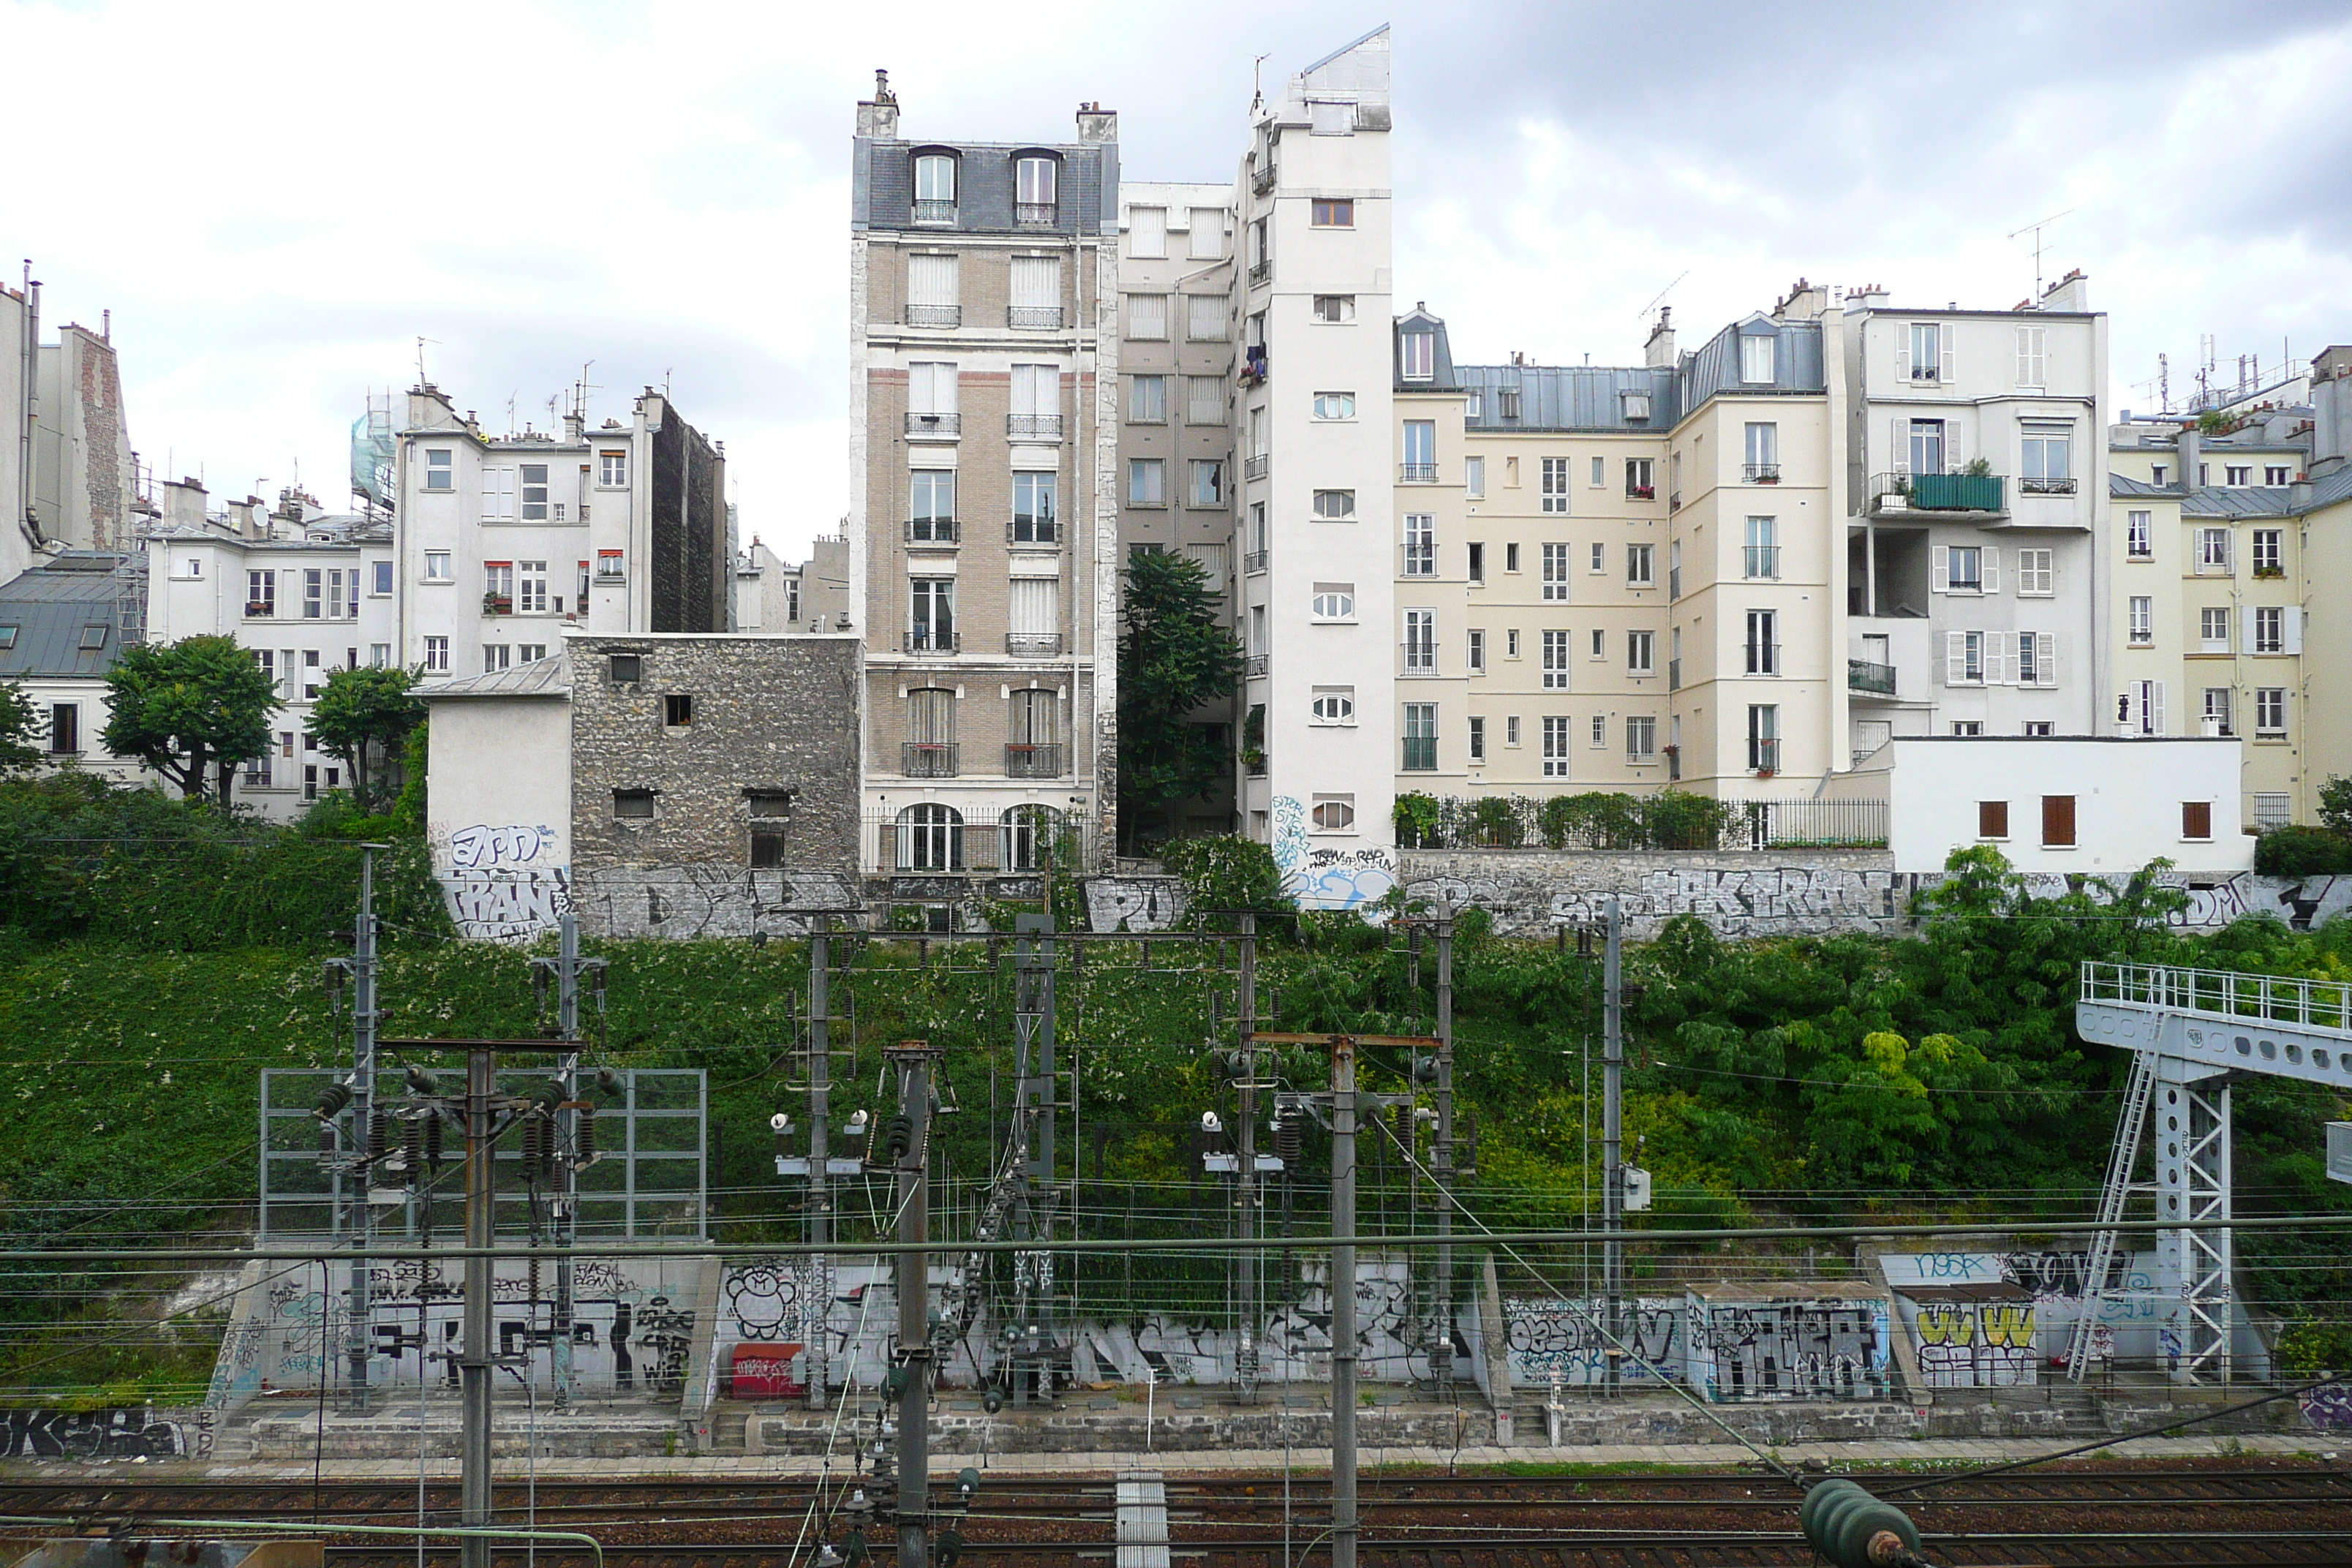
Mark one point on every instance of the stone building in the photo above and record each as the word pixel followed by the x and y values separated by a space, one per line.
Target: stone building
pixel 68 477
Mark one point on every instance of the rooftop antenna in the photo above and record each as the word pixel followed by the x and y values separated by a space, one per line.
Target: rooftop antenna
pixel 580 397
pixel 1643 313
pixel 1257 93
pixel 2164 380
pixel 511 405
pixel 2035 228
pixel 422 379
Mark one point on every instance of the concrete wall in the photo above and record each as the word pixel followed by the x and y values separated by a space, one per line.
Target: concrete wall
pixel 499 794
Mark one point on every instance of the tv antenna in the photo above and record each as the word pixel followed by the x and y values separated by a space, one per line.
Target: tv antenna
pixel 1643 313
pixel 2035 228
pixel 579 397
pixel 422 379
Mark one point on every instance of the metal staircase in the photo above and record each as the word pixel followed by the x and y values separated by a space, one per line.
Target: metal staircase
pixel 2113 1200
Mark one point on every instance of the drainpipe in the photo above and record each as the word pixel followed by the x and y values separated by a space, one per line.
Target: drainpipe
pixel 30 353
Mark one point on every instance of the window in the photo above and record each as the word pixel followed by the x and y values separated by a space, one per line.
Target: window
pixel 613 469
pixel 313 594
pixel 2268 558
pixel 1205 318
pixel 931 397
pixel 1474 477
pixel 638 804
pixel 1641 739
pixel 935 188
pixel 496 656
pixel 2269 712
pixel 2214 551
pixel 1033 508
pixel 1332 212
pixel 1207 490
pixel 1335 705
pixel 534 492
pixel 1964 658
pixel 379 655
pixel 1147 400
pixel 1601 643
pixel 2237 473
pixel 440 470
pixel 1558 742
pixel 1421 642
pixel 1420 452
pixel 2217 711
pixel 1511 731
pixel 1927 445
pixel 1966 570
pixel 2048 453
pixel 2033 357
pixel 1638 650
pixel 2142 708
pixel 498 495
pixel 931 725
pixel 1640 479
pixel 1334 813
pixel 1511 556
pixel 64 729
pixel 1257 629
pixel 1335 307
pixel 380 577
pixel 608 566
pixel 1760 556
pixel 930 838
pixel 1763 642
pixel 1478 562
pixel 1146 316
pixel 1511 643
pixel 2270 629
pixel 1147 482
pixel 2057 822
pixel 1600 471
pixel 1555 661
pixel 2036 662
pixel 436 656
pixel 1638 566
pixel 1477 657
pixel 1417 353
pixel 260 593
pixel 2197 819
pixel 1599 558
pixel 2143 618
pixel 531 587
pixel 437 566
pixel 1420 544
pixel 1992 819
pixel 1477 739
pixel 2156 473
pixel 1335 506
pixel 2213 629
pixel 2271 811
pixel 930 503
pixel 1205 400
pixel 1033 186
pixel 1146 232
pixel 1555 572
pixel 1208 235
pixel 2139 535
pixel 1926 360
pixel 2037 573
pixel 931 615
pixel 2038 727
pixel 1421 737
pixel 677 710
pixel 1335 405
pixel 1335 601
pixel 1507 408
pixel 1674 569
pixel 1764 737
pixel 1756 357
pixel 1555 484
pixel 624 668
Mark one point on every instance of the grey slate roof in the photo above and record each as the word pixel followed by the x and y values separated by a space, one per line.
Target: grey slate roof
pixel 2122 487
pixel 1086 189
pixel 2241 500
pixel 538 677
pixel 1714 367
pixel 1570 396
pixel 51 606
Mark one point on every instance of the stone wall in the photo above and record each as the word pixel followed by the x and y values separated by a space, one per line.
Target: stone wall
pixel 769 714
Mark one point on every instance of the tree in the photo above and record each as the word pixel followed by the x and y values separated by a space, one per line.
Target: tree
pixel 2335 803
pixel 1174 657
pixel 361 712
pixel 20 726
pixel 190 710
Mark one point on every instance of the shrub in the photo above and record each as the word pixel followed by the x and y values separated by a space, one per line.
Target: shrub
pixel 1416 819
pixel 2302 852
pixel 2312 1345
pixel 1494 825
pixel 1227 872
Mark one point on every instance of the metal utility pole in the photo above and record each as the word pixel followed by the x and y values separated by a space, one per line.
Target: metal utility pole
pixel 474 1361
pixel 909 1145
pixel 568 967
pixel 364 1121
pixel 1034 1097
pixel 1248 1188
pixel 1440 1350
pixel 1613 1131
pixel 820 1196
pixel 1343 1302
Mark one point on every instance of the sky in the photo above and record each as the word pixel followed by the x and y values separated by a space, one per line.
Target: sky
pixel 278 201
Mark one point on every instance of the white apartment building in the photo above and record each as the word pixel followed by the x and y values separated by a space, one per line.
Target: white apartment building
pixel 306 592
pixel 504 541
pixel 68 477
pixel 772 594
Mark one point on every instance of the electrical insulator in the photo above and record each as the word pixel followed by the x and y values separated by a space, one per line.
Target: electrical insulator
pixel 379 1134
pixel 433 1141
pixel 1402 1116
pixel 535 1147
pixel 899 1141
pixel 411 1147
pixel 331 1102
pixel 1287 1135
pixel 583 1137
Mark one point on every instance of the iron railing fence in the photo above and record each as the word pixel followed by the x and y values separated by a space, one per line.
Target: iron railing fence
pixel 1615 820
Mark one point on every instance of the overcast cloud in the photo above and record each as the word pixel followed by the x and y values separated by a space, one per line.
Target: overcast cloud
pixel 276 200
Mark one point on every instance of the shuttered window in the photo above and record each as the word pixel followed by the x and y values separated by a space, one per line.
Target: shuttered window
pixel 933 280
pixel 1038 282
pixel 2058 822
pixel 1036 606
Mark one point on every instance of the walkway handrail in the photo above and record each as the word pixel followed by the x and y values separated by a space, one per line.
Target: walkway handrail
pixel 2221 994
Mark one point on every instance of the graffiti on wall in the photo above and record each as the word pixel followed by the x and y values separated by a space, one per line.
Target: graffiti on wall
pixel 507 906
pixel 1980 1343
pixel 482 847
pixel 1562 1341
pixel 1823 1349
pixel 121 1433
pixel 693 901
pixel 1326 878
pixel 1134 903
pixel 2330 1408
pixel 2049 1283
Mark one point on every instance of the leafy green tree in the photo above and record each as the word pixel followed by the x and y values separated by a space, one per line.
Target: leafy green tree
pixel 1174 657
pixel 365 717
pixel 191 709
pixel 2335 803
pixel 20 728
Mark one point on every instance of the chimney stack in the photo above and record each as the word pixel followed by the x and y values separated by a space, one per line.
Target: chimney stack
pixel 2071 293
pixel 2331 410
pixel 1097 124
pixel 1660 350
pixel 878 117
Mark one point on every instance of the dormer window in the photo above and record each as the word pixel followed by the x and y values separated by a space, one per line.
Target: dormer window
pixel 1033 179
pixel 1636 406
pixel 1419 353
pixel 935 188
pixel 1756 358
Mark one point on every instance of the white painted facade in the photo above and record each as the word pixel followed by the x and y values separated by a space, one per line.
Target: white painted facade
pixel 486 815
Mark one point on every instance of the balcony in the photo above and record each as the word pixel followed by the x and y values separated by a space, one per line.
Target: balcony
pixel 1421 753
pixel 1262 180
pixel 1261 274
pixel 1936 492
pixel 1760 473
pixel 1026 760
pixel 1034 215
pixel 1034 534
pixel 1641 492
pixel 1253 665
pixel 498 605
pixel 1760 562
pixel 934 427
pixel 1763 658
pixel 922 639
pixel 935 212
pixel 2045 486
pixel 1033 318
pixel 1764 756
pixel 1032 644
pixel 1870 678
pixel 1032 426
pixel 927 759
pixel 1257 466
pixel 934 531
pixel 1253 563
pixel 1420 661
pixel 1417 473
pixel 935 315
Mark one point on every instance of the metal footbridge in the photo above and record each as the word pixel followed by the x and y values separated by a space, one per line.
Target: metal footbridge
pixel 2193 1032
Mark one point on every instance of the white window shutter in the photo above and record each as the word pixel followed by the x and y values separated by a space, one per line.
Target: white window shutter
pixel 1956 659
pixel 1940 574
pixel 2127 710
pixel 2294 628
pixel 2156 703
pixel 2246 619
pixel 2045 656
pixel 1899 444
pixel 1944 342
pixel 1992 569
pixel 1903 354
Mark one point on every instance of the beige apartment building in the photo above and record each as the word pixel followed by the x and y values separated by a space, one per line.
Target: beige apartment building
pixel 983 517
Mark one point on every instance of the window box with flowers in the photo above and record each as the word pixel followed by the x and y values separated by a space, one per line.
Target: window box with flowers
pixel 498 605
pixel 2270 571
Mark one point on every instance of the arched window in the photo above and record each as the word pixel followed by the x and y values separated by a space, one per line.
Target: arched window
pixel 930 838
pixel 1035 177
pixel 1032 838
pixel 935 187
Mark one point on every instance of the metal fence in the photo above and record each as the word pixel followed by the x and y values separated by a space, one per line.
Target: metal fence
pixel 1673 820
pixel 937 841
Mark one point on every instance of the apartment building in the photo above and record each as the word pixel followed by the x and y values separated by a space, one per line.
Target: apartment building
pixel 66 470
pixel 307 591
pixel 1177 362
pixel 63 625
pixel 505 542
pixel 772 594
pixel 984 474
pixel 1976 475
